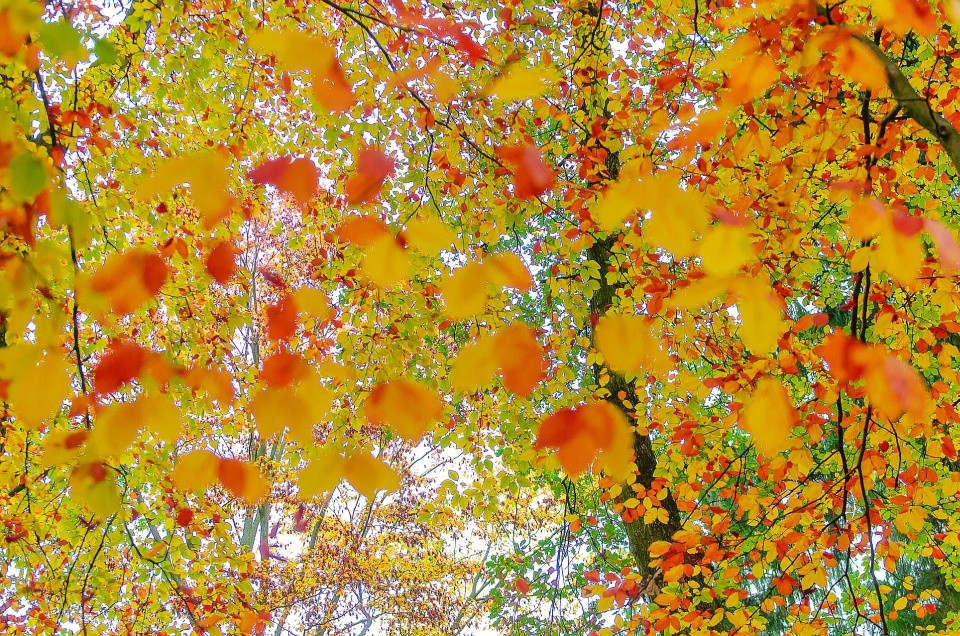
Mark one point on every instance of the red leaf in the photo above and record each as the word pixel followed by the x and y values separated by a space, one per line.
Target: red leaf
pixel 294 176
pixel 282 319
pixel 522 586
pixel 184 517
pixel 283 368
pixel 121 364
pixel 220 263
pixel 373 168
pixel 531 175
pixel 154 272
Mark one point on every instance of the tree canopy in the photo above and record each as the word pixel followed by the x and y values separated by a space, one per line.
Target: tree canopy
pixel 421 317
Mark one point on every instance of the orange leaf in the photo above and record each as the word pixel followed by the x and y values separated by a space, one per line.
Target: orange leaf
pixel 507 270
pixel 373 168
pixel 331 88
pixel 362 231
pixel 242 479
pixel 130 279
pixel 531 175
pixel 587 433
pixel 282 319
pixel 220 262
pixel 522 586
pixel 294 176
pixel 121 364
pixel 896 388
pixel 283 369
pixel 521 359
pixel 406 407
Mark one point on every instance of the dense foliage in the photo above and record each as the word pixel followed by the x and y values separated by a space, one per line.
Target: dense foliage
pixel 568 317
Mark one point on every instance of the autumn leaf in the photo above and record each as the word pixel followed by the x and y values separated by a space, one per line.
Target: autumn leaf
pixel 858 63
pixel 428 236
pixel 517 83
pixel 584 434
pixel 296 176
pixel 362 231
pixel 122 363
pixel 532 177
pixel 507 270
pixel 521 360
pixel 128 280
pixel 242 479
pixel 283 369
pixel 282 319
pixel 769 417
pixel 321 475
pixel 465 292
pixel 369 475
pixel 386 262
pixel 373 167
pixel 38 393
pixel 221 262
pixel 406 407
pixel 628 344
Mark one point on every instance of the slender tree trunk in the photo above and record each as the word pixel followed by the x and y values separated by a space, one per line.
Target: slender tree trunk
pixel 593 42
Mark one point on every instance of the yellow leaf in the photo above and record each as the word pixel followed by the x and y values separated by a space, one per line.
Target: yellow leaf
pixel 319 399
pixel 428 236
pixel 899 255
pixel 115 428
pixel 196 471
pixel 699 292
pixel 770 417
pixel 161 416
pixel 629 345
pixel 518 83
pixel 94 485
pixel 61 447
pixel 858 63
pixel 751 77
pixel 678 216
pixel 761 315
pixel 404 406
pixel 313 303
pixel 619 201
pixel 295 50
pixel 206 172
pixel 465 292
pixel 616 459
pixel 508 270
pixel 475 365
pixel 38 392
pixel 321 475
pixel 725 249
pixel 368 474
pixel 276 409
pixel 385 262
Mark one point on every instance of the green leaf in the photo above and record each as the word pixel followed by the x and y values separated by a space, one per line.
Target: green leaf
pixel 61 41
pixel 106 53
pixel 27 176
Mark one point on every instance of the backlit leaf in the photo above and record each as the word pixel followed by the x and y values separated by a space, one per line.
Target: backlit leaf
pixel 407 408
pixel 373 166
pixel 769 417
